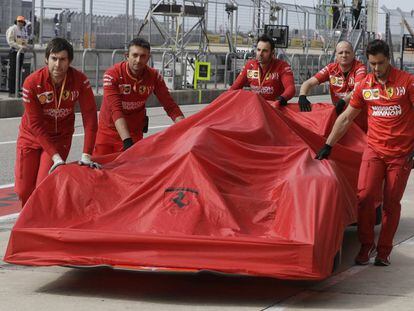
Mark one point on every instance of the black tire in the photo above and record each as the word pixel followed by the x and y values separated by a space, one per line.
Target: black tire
pixel 378 215
pixel 337 260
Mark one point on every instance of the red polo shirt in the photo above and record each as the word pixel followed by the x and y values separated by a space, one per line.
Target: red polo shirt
pixel 125 97
pixel 45 119
pixel 390 112
pixel 276 81
pixel 339 84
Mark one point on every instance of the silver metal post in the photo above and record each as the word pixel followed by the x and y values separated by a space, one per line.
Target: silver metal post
pixel 83 23
pixel 90 24
pixel 126 22
pixel 42 16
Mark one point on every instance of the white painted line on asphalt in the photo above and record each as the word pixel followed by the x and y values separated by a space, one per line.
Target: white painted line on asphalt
pixel 8 218
pixel 82 134
pixel 6 186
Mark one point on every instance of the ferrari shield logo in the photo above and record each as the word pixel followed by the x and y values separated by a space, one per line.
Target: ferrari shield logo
pixel 142 89
pixel 65 95
pixel 180 198
pixel 390 91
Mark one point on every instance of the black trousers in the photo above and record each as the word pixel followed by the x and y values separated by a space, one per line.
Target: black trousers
pixel 12 70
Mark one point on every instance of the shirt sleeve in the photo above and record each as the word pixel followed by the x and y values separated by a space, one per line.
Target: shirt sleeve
pixel 357 100
pixel 89 114
pixel 164 97
pixel 411 89
pixel 111 94
pixel 323 74
pixel 288 82
pixel 360 74
pixel 36 118
pixel 241 81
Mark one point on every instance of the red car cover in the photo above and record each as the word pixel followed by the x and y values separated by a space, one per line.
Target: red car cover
pixel 234 188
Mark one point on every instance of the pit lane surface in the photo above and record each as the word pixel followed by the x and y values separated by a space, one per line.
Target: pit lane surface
pixel 52 288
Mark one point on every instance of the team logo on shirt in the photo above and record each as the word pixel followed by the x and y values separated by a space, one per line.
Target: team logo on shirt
pixel 336 81
pixel 45 97
pixel 252 74
pixel 125 89
pixel 142 89
pixel 370 94
pixel 65 94
pixel 390 92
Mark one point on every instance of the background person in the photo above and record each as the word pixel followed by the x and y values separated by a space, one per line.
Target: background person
pixel 270 77
pixel 343 76
pixel 17 39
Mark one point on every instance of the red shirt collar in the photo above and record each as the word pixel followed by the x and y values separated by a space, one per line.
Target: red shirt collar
pixel 390 79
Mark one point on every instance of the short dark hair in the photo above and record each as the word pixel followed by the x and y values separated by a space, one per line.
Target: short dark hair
pixel 139 42
pixel 57 45
pixel 378 46
pixel 267 38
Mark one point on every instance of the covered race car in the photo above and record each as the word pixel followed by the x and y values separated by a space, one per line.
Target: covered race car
pixel 234 188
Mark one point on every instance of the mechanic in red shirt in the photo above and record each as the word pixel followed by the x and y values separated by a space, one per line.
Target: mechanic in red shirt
pixel 127 86
pixel 343 76
pixel 388 94
pixel 270 77
pixel 45 133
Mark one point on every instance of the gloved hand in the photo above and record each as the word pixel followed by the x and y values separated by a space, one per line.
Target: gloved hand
pixel 86 160
pixel 339 106
pixel 324 152
pixel 57 161
pixel 282 101
pixel 127 143
pixel 304 103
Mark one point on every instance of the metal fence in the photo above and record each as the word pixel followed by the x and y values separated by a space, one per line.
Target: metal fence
pixel 106 24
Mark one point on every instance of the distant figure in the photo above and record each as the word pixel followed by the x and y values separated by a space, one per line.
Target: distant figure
pixel 336 15
pixel 356 11
pixel 17 39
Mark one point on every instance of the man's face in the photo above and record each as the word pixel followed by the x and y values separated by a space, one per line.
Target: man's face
pixel 58 64
pixel 344 54
pixel 20 24
pixel 380 65
pixel 137 58
pixel 264 52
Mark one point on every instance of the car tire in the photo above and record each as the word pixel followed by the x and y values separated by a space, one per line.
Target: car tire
pixel 378 215
pixel 337 260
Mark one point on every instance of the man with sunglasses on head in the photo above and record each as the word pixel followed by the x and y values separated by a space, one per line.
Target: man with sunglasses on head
pixel 127 86
pixel 47 126
pixel 270 77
